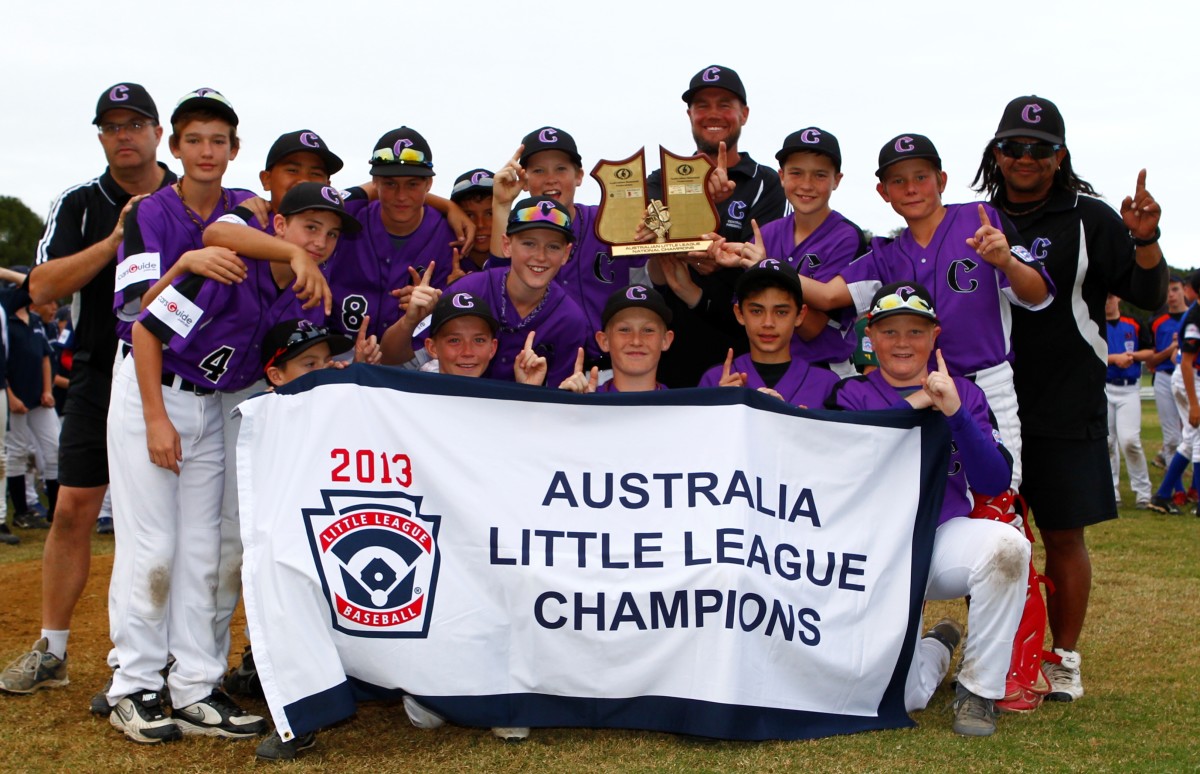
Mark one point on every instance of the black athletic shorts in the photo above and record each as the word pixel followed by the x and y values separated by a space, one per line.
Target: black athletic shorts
pixel 1067 483
pixel 82 445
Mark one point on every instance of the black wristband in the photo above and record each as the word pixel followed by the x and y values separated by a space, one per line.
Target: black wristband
pixel 1147 242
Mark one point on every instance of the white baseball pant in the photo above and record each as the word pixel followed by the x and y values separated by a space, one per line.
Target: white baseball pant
pixel 989 561
pixel 1125 436
pixel 162 595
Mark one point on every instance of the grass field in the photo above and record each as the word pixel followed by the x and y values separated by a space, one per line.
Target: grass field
pixel 1141 668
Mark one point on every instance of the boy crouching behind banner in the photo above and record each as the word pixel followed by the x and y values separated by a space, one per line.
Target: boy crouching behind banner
pixel 635 333
pixel 769 304
pixel 984 559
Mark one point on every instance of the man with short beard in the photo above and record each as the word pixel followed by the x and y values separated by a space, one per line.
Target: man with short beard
pixel 698 293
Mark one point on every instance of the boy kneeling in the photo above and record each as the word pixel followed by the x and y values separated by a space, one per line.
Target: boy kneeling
pixel 984 559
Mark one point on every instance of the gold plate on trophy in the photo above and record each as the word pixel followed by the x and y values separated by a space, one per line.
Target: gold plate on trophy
pixel 677 222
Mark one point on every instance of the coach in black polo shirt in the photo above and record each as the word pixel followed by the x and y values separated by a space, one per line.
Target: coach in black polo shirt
pixel 77 255
pixel 704 324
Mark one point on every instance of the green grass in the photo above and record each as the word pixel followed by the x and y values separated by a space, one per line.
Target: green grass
pixel 1141 670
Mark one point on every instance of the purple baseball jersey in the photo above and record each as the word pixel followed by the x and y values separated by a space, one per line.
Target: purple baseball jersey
pixel 822 255
pixel 158 230
pixel 213 332
pixel 559 322
pixel 802 385
pixel 976 449
pixel 369 265
pixel 972 297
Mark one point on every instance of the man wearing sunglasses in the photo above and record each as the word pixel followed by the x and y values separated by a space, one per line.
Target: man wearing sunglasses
pixel 1089 251
pixel 77 255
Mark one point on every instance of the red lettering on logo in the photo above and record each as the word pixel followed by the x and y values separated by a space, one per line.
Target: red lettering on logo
pixel 379 618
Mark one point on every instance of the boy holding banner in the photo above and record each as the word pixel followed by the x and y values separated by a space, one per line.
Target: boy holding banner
pixel 980 558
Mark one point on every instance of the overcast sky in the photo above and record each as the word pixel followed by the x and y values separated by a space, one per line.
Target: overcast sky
pixel 473 78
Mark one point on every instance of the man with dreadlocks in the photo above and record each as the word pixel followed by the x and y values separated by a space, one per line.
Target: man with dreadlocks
pixel 1061 354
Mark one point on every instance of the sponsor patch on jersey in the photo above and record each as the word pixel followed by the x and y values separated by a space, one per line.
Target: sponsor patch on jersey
pixel 229 217
pixel 177 311
pixel 378 559
pixel 138 268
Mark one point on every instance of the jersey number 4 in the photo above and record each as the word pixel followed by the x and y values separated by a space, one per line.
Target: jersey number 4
pixel 216 363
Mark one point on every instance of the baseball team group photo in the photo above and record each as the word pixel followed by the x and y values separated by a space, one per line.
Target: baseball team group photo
pixel 589 455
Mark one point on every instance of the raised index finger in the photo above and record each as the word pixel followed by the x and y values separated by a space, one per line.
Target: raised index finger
pixel 722 163
pixel 529 340
pixel 942 363
pixel 1141 185
pixel 516 159
pixel 579 361
pixel 362 329
pixel 425 278
pixel 758 240
pixel 728 367
pixel 983 217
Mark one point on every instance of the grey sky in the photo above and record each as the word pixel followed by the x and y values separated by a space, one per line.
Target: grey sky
pixel 475 77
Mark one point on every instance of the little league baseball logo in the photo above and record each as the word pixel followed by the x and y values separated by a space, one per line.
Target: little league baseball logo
pixel 378 560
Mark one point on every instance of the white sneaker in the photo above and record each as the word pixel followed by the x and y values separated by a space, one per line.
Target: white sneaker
pixel 422 717
pixel 511 733
pixel 1065 682
pixel 141 718
pixel 218 715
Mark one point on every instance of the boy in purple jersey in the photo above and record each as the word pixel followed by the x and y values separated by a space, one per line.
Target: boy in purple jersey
pixel 941 248
pixel 815 240
pixel 770 304
pixel 401 231
pixel 164 226
pixel 636 332
pixel 472 192
pixel 548 164
pixel 167 503
pixel 978 557
pixel 523 296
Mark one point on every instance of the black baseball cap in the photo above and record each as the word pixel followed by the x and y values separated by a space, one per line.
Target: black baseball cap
pixel 317 196
pixel 475 181
pixel 540 212
pixel 1032 116
pixel 811 140
pixel 901 298
pixel 303 140
pixel 716 76
pixel 129 96
pixel 770 271
pixel 907 146
pixel 461 304
pixel 635 296
pixel 402 152
pixel 549 138
pixel 289 338
pixel 206 99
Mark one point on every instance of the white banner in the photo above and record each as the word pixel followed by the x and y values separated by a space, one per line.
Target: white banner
pixel 711 562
